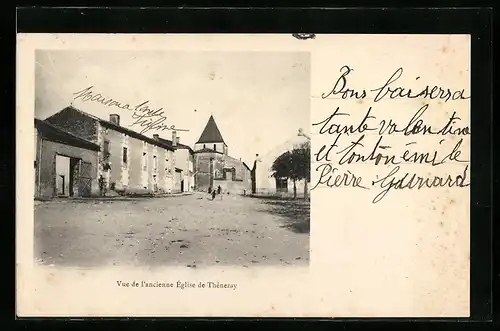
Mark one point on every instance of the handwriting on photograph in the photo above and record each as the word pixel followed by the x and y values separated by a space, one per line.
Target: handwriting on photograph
pixel 391 90
pixel 353 142
pixel 144 117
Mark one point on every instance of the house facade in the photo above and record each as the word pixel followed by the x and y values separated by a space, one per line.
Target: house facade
pixel 263 182
pixel 65 164
pixel 214 167
pixel 129 162
pixel 184 163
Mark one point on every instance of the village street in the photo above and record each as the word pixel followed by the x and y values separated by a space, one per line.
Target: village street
pixel 190 231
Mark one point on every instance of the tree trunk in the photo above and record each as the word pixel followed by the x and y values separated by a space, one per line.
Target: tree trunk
pixel 294 190
pixel 305 189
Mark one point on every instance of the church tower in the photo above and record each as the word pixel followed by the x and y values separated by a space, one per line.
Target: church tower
pixel 211 139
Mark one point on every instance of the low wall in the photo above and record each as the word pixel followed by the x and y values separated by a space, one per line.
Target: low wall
pixel 233 187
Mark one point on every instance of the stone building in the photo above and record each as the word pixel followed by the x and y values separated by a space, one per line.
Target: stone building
pixel 65 164
pixel 214 167
pixel 184 163
pixel 130 162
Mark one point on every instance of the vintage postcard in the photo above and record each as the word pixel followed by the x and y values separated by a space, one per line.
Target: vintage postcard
pixel 243 175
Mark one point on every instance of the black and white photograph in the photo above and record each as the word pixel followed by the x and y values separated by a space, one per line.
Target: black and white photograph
pixel 171 158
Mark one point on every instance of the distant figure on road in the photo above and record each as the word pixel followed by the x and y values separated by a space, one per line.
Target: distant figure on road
pixel 213 194
pixel 218 190
pixel 209 190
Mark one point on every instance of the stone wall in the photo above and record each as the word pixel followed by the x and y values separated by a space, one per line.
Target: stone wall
pixel 135 166
pixel 230 173
pixel 132 177
pixel 47 166
pixel 76 123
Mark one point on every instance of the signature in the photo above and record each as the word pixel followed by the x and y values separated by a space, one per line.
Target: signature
pixel 413 181
pixel 145 117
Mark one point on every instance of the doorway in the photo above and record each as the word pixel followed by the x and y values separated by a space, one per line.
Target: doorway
pixel 73 177
pixel 85 180
pixel 182 185
pixel 62 175
pixel 155 184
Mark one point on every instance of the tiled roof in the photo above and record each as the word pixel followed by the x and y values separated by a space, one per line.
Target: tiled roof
pixel 180 146
pixel 121 129
pixel 211 133
pixel 185 147
pixel 207 150
pixel 134 134
pixel 55 134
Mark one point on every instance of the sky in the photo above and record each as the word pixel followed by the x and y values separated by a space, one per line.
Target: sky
pixel 258 99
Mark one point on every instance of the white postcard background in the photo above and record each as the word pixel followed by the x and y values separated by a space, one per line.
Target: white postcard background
pixel 407 255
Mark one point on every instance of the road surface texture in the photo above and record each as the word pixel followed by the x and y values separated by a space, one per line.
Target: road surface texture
pixel 191 231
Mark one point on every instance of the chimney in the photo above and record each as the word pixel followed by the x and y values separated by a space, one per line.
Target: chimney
pixel 114 118
pixel 156 136
pixel 178 140
pixel 174 138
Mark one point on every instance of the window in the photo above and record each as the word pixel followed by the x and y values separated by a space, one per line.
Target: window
pixel 281 185
pixel 125 155
pixel 215 147
pixel 145 161
pixel 167 165
pixel 105 149
pixel 155 162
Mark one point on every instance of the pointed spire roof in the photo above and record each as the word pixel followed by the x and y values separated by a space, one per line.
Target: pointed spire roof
pixel 211 133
